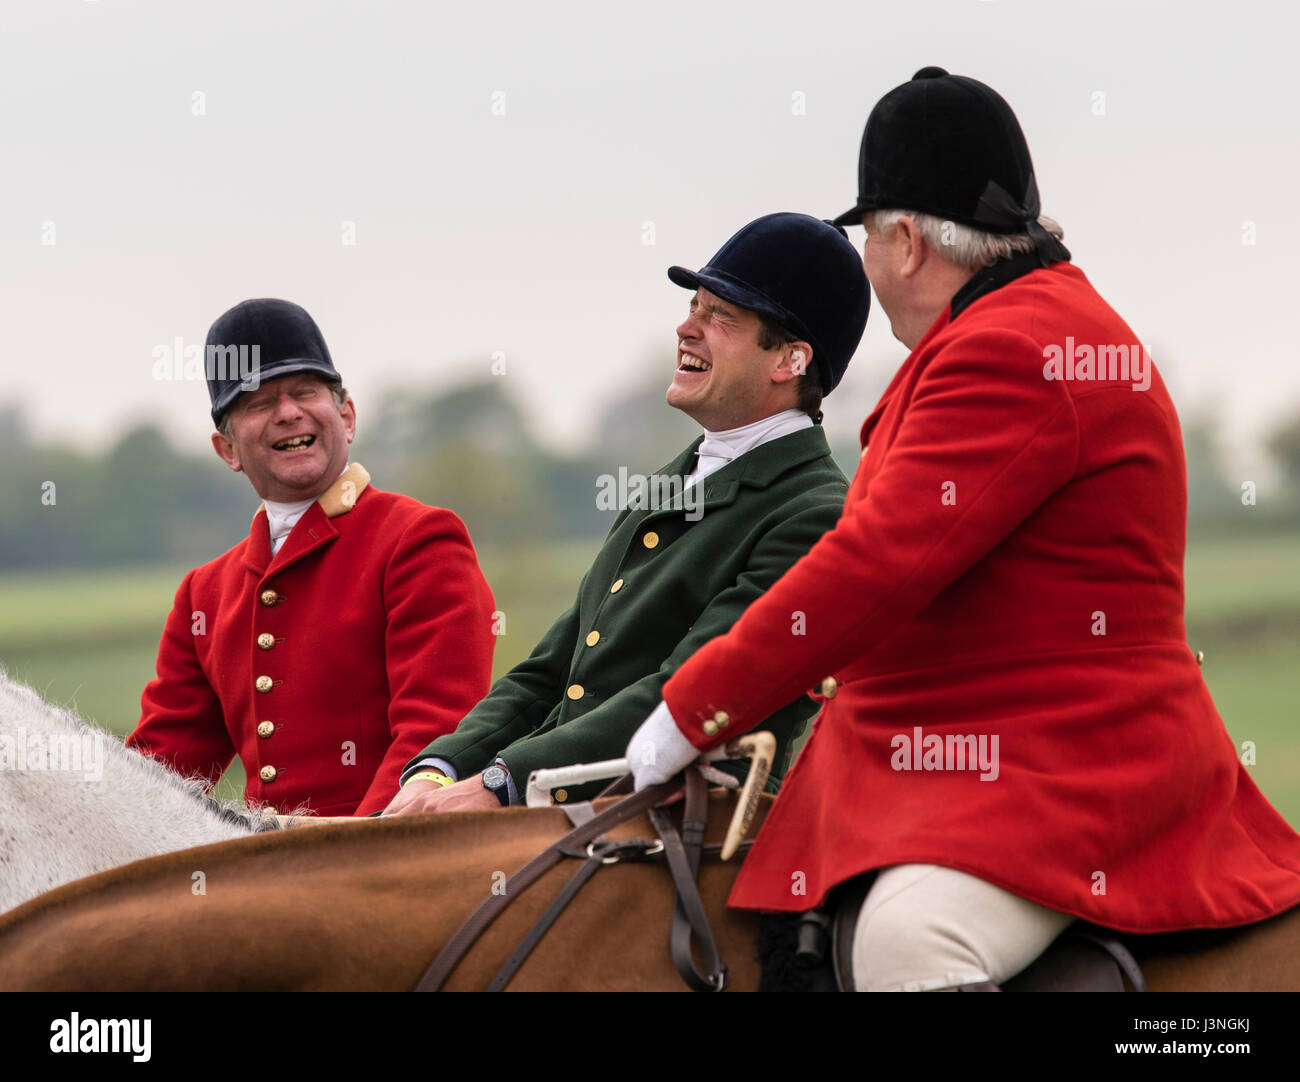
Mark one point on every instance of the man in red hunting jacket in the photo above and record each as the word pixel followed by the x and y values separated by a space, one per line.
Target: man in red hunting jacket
pixel 349 629
pixel 1015 732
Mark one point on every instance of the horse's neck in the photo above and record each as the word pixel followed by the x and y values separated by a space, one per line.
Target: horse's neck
pixel 76 801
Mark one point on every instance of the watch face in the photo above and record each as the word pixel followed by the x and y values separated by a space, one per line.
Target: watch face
pixel 494 777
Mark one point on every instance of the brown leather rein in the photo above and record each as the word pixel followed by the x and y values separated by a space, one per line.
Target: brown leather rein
pixel 681 851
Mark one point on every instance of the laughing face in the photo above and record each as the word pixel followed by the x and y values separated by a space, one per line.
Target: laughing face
pixel 723 378
pixel 289 436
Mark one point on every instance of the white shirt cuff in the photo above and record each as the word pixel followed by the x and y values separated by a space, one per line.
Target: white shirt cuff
pixel 433 763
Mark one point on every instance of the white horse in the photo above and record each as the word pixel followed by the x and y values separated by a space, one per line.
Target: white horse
pixel 74 800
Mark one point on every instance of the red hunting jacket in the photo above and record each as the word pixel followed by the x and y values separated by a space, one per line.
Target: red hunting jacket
pixel 1009 568
pixel 326 668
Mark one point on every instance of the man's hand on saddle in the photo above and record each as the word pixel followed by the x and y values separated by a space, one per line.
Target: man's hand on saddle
pixel 419 796
pixel 658 750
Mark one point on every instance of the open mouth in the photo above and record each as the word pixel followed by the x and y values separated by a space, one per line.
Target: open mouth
pixel 688 362
pixel 294 443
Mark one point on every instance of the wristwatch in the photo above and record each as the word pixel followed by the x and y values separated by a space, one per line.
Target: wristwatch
pixel 496 780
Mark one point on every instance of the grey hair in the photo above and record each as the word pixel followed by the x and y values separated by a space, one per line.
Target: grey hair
pixel 339 392
pixel 964 245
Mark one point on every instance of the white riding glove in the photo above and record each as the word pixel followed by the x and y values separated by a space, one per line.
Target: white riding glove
pixel 658 750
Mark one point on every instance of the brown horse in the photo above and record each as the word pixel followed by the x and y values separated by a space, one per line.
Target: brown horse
pixel 367 904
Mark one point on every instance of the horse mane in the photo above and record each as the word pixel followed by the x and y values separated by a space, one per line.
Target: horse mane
pixel 61 823
pixel 273 856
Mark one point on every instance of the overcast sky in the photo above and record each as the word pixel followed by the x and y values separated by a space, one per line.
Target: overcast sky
pixel 504 165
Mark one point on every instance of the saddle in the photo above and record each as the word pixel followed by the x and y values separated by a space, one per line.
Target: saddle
pixel 798 952
pixel 812 952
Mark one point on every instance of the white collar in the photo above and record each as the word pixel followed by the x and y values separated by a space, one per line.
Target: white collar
pixel 276 509
pixel 734 442
pixel 719 448
pixel 281 518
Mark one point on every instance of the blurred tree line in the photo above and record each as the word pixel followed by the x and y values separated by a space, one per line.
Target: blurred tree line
pixel 470 448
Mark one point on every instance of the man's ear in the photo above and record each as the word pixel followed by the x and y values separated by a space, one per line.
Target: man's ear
pixel 796 359
pixel 226 452
pixel 348 411
pixel 913 246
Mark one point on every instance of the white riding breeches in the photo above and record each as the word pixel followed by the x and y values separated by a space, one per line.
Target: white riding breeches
pixel 924 927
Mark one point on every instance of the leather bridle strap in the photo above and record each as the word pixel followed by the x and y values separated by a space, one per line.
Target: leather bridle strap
pixel 689 916
pixel 464 937
pixel 585 871
pixel 1123 957
pixel 579 815
pixel 684 872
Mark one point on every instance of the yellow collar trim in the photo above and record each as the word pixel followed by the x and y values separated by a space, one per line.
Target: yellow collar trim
pixel 342 495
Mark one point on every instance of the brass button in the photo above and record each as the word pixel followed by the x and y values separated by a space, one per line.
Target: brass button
pixel 616 587
pixel 650 540
pixel 722 719
pixel 267 773
pixel 830 687
pixel 576 691
pixel 1200 657
pixel 710 728
pixel 264 684
pixel 265 729
pixel 561 795
pixel 270 598
pixel 266 640
pixel 593 637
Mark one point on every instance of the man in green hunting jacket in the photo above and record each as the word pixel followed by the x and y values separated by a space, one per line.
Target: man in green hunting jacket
pixel 774 319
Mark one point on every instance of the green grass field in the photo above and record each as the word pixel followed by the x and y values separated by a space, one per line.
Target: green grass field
pixel 88 640
pixel 1243 575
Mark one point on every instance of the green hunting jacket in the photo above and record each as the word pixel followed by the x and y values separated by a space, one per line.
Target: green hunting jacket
pixel 659 589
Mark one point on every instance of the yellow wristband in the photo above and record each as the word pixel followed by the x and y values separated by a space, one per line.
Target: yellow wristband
pixel 430 775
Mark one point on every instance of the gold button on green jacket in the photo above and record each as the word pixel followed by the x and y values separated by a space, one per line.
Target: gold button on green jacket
pixel 688 571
